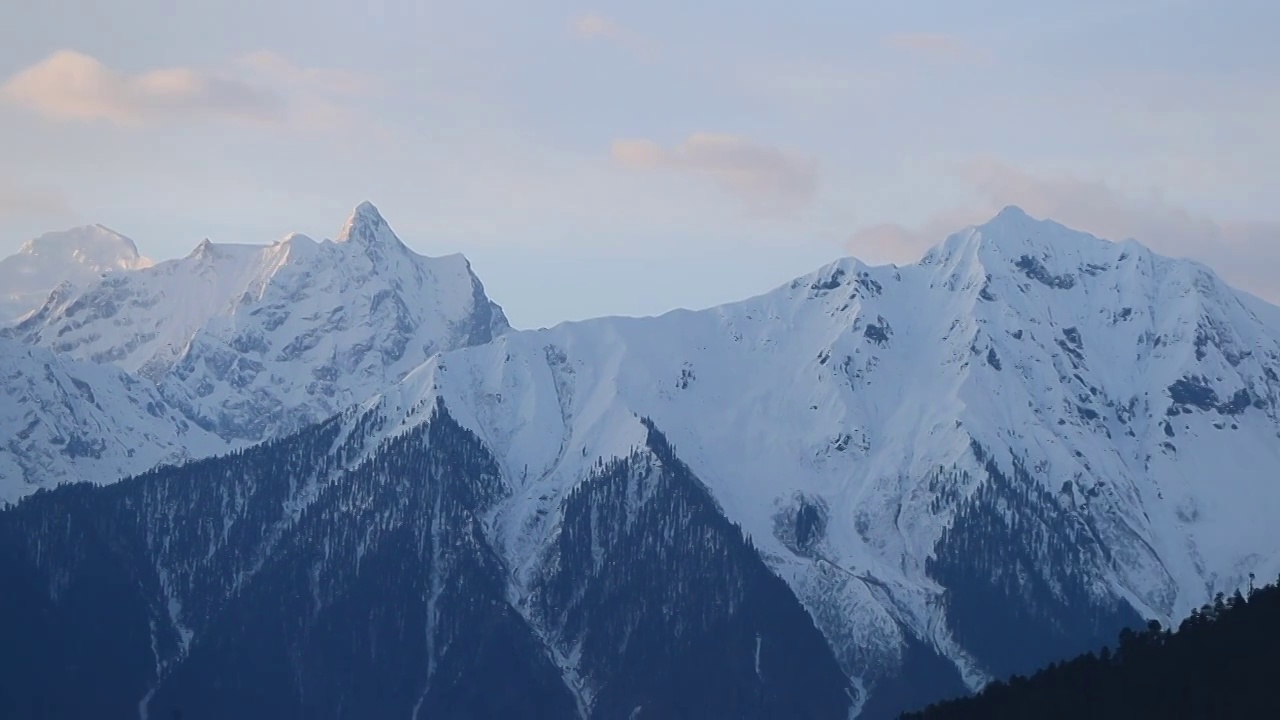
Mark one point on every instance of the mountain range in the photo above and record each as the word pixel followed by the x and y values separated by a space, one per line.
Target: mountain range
pixel 252 342
pixel 865 490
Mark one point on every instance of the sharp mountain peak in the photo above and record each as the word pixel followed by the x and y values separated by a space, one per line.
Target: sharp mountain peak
pixel 366 226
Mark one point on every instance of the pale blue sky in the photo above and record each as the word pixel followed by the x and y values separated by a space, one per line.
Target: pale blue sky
pixel 611 157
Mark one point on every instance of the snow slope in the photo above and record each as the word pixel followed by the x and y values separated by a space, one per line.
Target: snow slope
pixel 78 256
pixel 254 341
pixel 1139 392
pixel 66 420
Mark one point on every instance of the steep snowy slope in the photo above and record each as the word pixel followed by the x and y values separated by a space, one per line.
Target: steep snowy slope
pixel 997 454
pixel 66 420
pixel 142 321
pixel 78 256
pixel 254 341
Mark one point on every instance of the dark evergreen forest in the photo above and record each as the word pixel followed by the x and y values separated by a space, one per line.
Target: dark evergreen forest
pixel 1219 663
pixel 1017 570
pixel 672 611
pixel 303 579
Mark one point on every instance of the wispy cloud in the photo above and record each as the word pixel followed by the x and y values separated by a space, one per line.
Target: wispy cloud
pixel 279 68
pixel 808 84
pixel 259 88
pixel 901 243
pixel 70 85
pixel 592 26
pixel 1245 253
pixel 941 46
pixel 314 96
pixel 769 180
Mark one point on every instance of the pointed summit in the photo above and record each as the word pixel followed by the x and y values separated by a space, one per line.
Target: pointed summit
pixel 368 209
pixel 1015 243
pixel 1011 213
pixel 1013 232
pixel 202 250
pixel 366 227
pixel 1013 221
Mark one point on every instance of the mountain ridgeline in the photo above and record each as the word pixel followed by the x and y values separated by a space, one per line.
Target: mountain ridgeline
pixel 867 490
pixel 1219 663
pixel 247 342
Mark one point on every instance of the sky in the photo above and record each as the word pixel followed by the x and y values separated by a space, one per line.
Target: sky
pixel 629 158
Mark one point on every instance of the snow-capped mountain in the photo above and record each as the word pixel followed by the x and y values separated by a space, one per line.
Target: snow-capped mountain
pixel 1027 402
pixel 66 420
pixel 960 469
pixel 78 256
pixel 256 341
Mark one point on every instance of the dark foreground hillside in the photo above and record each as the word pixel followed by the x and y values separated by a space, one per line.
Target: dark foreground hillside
pixel 1220 663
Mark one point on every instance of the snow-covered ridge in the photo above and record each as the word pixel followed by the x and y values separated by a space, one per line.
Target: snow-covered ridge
pixel 1139 392
pixel 252 341
pixel 68 420
pixel 77 256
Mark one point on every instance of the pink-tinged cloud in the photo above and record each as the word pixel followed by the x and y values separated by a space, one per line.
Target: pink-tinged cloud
pixel 596 26
pixel 767 179
pixel 892 242
pixel 70 85
pixel 261 88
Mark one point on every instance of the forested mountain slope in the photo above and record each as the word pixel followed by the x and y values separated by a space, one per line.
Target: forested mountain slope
pixel 331 575
pixel 1219 663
